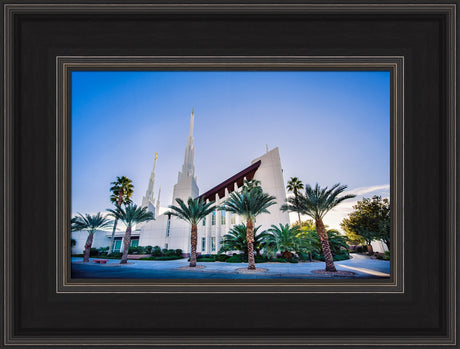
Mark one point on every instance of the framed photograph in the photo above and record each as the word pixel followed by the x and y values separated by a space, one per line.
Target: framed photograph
pixel 285 246
pixel 284 174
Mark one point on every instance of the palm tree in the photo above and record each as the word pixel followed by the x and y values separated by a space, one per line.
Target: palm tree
pixel 295 185
pixel 236 240
pixel 194 212
pixel 122 190
pixel 91 223
pixel 249 203
pixel 316 203
pixel 130 215
pixel 285 239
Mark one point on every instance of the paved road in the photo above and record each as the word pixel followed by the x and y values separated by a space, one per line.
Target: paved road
pixel 362 266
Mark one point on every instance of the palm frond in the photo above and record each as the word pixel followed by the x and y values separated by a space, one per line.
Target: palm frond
pixel 193 212
pixel 248 203
pixel 131 214
pixel 235 239
pixel 319 201
pixel 88 222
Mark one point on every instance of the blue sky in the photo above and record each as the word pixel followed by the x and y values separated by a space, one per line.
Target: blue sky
pixel 329 126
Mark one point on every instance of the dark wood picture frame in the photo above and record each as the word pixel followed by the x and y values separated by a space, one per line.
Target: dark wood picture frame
pixel 42 307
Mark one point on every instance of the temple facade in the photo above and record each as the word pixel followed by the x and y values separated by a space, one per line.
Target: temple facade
pixel 169 232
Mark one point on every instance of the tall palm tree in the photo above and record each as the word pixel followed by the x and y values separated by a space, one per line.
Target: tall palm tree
pixel 122 190
pixel 130 215
pixel 316 203
pixel 236 240
pixel 91 223
pixel 250 202
pixel 193 212
pixel 285 239
pixel 295 185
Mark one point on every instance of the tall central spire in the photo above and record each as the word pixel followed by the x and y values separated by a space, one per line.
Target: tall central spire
pixel 186 180
pixel 192 120
pixel 188 169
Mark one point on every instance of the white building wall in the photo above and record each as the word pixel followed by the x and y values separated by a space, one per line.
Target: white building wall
pixel 270 175
pixel 154 233
pixel 379 246
pixel 99 240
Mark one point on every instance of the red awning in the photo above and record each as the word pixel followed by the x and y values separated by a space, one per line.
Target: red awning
pixel 248 172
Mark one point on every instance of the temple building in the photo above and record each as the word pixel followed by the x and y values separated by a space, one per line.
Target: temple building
pixel 170 232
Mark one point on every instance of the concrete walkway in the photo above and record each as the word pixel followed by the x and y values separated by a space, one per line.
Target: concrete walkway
pixel 362 266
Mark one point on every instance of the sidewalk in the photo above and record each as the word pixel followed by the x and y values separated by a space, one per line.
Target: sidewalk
pixel 362 266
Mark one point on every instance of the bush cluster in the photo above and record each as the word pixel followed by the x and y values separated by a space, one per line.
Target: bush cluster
pixel 212 258
pixel 140 250
pixel 241 258
pixel 303 256
pixel 385 257
pixel 161 258
pixel 157 253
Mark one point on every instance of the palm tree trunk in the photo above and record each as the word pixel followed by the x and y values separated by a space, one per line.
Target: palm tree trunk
pixel 370 250
pixel 88 244
pixel 322 235
pixel 113 236
pixel 297 203
pixel 124 257
pixel 119 202
pixel 250 240
pixel 193 243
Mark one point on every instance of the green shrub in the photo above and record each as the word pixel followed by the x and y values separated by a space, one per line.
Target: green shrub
pixel 161 258
pixel 236 258
pixel 156 251
pixel 114 255
pixel 386 256
pixel 206 256
pixel 140 250
pixel 93 252
pixel 179 252
pixel 169 252
pixel 261 259
pixel 222 257
pixel 341 257
pixel 303 256
pixel 78 255
pixel 165 258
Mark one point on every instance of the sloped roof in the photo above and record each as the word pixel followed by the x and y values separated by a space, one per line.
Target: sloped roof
pixel 219 189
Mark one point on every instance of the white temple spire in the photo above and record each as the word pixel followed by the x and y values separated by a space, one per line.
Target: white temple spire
pixel 192 121
pixel 186 180
pixel 149 194
pixel 158 201
pixel 188 169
